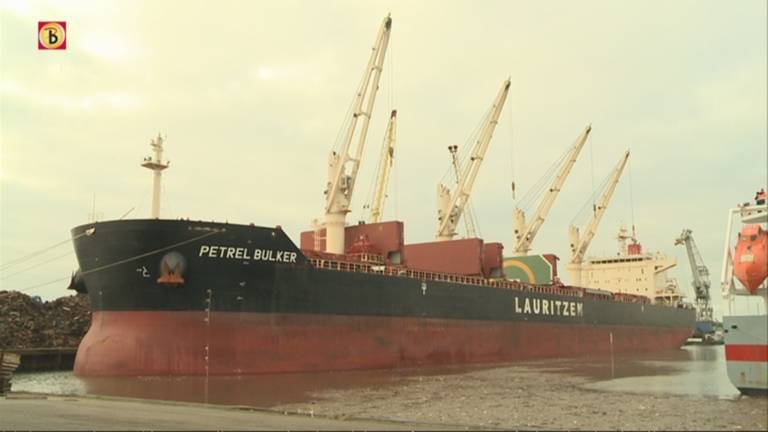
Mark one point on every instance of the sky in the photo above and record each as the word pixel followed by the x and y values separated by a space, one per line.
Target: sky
pixel 251 96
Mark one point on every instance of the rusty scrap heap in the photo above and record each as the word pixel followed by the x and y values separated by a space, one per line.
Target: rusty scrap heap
pixel 28 322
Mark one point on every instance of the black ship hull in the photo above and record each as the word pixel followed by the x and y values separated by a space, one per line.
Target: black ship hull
pixel 186 298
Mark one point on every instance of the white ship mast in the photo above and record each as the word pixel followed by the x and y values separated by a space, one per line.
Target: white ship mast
pixel 157 165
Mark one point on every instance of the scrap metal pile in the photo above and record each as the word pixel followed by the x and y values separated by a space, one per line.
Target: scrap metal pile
pixel 28 322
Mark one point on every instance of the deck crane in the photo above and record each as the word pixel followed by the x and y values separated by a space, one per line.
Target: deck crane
pixel 385 165
pixel 700 283
pixel 525 233
pixel 451 205
pixel 579 243
pixel 342 168
pixel 469 218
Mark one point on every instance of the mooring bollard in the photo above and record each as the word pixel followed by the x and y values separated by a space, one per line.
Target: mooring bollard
pixel 9 361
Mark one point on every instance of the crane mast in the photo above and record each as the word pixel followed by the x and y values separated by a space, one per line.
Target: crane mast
pixel 700 274
pixel 525 233
pixel 579 244
pixel 469 219
pixel 342 168
pixel 385 165
pixel 451 205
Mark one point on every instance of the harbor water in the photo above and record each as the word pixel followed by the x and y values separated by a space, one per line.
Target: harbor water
pixel 681 389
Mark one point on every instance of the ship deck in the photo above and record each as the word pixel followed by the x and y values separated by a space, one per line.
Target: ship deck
pixel 401 271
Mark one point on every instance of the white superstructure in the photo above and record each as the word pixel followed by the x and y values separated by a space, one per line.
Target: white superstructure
pixel 632 271
pixel 745 325
pixel 731 288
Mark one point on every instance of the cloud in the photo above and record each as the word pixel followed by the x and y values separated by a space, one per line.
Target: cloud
pixel 120 100
pixel 21 8
pixel 107 45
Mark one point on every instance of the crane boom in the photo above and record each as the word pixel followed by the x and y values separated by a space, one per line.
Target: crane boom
pixel 385 165
pixel 451 206
pixel 469 219
pixel 342 168
pixel 579 245
pixel 700 274
pixel 526 233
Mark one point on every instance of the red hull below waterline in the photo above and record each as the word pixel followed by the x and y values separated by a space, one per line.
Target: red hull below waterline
pixel 138 343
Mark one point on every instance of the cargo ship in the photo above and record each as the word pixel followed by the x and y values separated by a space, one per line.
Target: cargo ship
pixel 745 291
pixel 183 297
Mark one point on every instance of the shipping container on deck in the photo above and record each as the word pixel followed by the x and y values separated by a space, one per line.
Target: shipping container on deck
pixel 493 260
pixel 464 256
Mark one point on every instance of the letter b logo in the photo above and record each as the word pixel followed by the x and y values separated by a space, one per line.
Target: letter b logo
pixel 52 35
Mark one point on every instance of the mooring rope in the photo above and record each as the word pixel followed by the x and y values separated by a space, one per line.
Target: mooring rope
pixel 123 261
pixel 27 257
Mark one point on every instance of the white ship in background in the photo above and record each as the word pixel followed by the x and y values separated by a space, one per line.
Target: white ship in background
pixel 745 291
pixel 631 271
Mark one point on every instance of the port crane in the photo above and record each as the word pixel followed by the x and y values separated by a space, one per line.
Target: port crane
pixel 342 167
pixel 579 243
pixel 700 279
pixel 451 205
pixel 385 165
pixel 525 233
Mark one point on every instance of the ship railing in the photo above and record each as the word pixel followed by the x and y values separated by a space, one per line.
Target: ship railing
pixel 375 268
pixel 361 267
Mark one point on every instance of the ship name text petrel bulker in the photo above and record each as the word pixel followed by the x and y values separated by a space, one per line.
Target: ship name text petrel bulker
pixel 242 253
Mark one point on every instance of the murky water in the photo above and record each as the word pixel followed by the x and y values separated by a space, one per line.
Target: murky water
pixel 693 370
pixel 258 390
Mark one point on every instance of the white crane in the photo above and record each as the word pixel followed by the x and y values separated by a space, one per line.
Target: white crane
pixel 451 205
pixel 342 168
pixel 579 244
pixel 469 218
pixel 385 165
pixel 525 233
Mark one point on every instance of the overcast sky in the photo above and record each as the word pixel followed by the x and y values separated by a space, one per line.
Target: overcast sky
pixel 251 95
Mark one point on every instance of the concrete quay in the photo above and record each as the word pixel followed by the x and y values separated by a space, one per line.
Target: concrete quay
pixel 31 411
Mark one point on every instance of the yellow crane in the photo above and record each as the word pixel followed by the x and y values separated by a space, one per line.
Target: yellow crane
pixel 342 167
pixel 579 243
pixel 525 233
pixel 469 218
pixel 451 205
pixel 385 165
